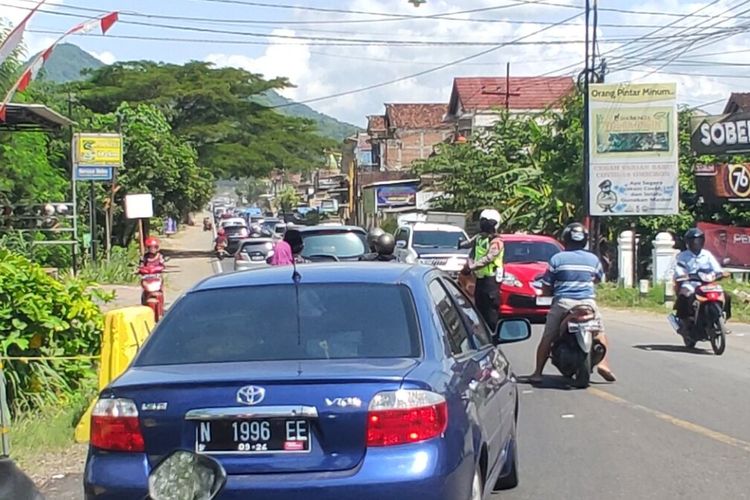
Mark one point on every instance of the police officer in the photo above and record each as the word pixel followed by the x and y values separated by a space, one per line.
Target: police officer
pixel 486 262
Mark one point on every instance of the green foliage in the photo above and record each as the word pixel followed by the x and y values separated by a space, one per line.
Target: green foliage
pixel 390 225
pixel 217 110
pixel 118 270
pixel 287 199
pixel 41 316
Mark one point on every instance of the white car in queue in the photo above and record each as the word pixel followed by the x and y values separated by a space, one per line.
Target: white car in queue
pixel 433 245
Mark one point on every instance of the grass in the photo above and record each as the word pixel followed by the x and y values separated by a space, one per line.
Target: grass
pixel 47 431
pixel 119 270
pixel 609 295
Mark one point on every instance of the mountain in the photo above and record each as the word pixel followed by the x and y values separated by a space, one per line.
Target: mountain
pixel 68 61
pixel 327 125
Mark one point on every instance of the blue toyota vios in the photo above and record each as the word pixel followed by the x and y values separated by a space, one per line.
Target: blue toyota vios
pixel 352 381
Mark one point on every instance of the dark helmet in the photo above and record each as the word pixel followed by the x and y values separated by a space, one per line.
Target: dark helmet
pixel 385 244
pixel 294 238
pixel 575 236
pixel 372 237
pixel 695 239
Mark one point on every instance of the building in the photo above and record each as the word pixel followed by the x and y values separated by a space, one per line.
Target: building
pixel 477 102
pixel 739 102
pixel 406 133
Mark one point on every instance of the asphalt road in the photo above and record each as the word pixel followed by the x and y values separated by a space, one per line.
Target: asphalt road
pixel 674 426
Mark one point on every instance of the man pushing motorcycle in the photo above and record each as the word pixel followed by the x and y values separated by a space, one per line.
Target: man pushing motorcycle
pixel 570 278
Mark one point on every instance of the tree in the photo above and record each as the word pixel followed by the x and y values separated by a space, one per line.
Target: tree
pixel 215 109
pixel 287 199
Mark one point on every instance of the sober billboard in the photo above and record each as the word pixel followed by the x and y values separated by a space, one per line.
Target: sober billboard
pixel 634 150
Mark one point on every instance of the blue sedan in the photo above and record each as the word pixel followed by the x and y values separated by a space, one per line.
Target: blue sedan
pixel 354 381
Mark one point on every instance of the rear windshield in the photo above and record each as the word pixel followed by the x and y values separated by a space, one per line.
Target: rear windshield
pixel 339 243
pixel 260 323
pixel 257 246
pixel 235 231
pixel 529 251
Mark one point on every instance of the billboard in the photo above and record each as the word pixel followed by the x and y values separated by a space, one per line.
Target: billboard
pixel 634 149
pixel 729 244
pixel 722 182
pixel 97 150
pixel 720 135
pixel 397 196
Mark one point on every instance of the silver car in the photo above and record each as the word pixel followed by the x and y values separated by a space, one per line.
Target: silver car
pixel 252 253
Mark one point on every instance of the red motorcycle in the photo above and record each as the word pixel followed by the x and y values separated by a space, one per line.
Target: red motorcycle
pixel 152 284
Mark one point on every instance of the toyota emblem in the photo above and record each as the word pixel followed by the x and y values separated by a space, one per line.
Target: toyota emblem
pixel 251 395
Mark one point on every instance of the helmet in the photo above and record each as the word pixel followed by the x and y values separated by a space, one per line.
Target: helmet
pixel 255 229
pixel 385 244
pixel 695 239
pixel 490 214
pixel 372 237
pixel 151 242
pixel 575 236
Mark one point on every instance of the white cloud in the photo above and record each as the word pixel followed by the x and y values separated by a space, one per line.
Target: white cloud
pixel 106 57
pixel 324 70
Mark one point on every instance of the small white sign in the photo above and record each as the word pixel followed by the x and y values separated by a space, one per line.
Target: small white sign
pixel 139 206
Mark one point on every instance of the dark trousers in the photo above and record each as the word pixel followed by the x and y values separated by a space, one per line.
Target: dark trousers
pixel 487 300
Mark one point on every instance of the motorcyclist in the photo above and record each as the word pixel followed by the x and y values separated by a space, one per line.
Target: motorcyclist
pixel 256 231
pixel 221 238
pixel 372 238
pixel 570 279
pixel 693 260
pixel 384 247
pixel 153 258
pixel 486 262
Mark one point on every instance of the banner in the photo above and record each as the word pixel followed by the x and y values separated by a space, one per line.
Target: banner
pixel 720 135
pixel 634 150
pixel 729 244
pixel 397 196
pixel 98 150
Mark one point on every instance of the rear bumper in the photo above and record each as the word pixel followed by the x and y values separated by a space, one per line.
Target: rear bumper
pixel 416 472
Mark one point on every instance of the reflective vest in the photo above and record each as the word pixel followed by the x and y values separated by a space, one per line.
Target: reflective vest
pixel 482 248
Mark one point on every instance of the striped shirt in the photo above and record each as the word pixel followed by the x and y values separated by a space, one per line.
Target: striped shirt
pixel 572 274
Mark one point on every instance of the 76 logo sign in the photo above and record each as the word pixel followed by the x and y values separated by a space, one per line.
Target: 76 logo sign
pixel 738 177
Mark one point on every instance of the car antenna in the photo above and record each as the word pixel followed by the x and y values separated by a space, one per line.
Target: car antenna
pixel 296 278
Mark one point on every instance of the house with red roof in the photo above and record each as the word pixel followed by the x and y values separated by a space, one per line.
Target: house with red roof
pixel 477 102
pixel 406 132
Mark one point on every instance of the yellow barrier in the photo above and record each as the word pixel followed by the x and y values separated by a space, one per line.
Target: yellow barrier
pixel 125 331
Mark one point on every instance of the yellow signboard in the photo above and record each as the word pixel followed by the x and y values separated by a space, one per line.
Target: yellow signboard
pixel 98 150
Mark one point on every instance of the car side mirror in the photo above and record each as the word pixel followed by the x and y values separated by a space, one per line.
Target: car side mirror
pixel 512 330
pixel 401 244
pixel 185 474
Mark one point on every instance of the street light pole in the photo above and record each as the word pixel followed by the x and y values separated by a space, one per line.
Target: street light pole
pixel 586 125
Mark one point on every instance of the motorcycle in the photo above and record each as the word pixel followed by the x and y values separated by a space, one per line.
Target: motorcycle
pixel 707 321
pixel 221 250
pixel 152 285
pixel 207 226
pixel 577 350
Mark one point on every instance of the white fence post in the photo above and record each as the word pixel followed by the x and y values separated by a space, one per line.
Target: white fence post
pixel 662 257
pixel 625 258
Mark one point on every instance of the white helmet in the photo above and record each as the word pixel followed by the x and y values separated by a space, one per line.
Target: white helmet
pixel 490 214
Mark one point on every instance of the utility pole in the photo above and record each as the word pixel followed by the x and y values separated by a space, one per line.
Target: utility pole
pixel 589 73
pixel 74 194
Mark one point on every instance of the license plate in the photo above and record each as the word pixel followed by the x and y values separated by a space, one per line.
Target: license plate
pixel 544 301
pixel 257 258
pixel 273 435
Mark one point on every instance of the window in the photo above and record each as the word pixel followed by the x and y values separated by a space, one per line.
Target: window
pixel 437 239
pixel 472 317
pixel 403 235
pixel 458 337
pixel 529 251
pixel 342 244
pixel 265 323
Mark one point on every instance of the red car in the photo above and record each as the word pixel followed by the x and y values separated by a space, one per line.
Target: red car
pixel 526 258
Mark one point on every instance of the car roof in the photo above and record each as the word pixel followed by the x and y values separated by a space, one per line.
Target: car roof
pixel 355 272
pixel 342 229
pixel 529 237
pixel 262 239
pixel 431 226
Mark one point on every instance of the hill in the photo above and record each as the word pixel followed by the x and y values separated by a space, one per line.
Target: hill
pixel 68 61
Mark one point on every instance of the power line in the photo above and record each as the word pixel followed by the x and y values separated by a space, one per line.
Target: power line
pixel 430 70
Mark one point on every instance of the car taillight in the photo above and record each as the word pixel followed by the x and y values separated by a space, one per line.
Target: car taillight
pixel 115 426
pixel 405 416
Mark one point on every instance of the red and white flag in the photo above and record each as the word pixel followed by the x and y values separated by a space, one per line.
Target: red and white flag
pixel 14 38
pixel 104 23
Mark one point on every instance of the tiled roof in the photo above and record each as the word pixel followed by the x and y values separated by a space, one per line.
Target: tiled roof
pixel 375 123
pixel 526 92
pixel 738 101
pixel 416 116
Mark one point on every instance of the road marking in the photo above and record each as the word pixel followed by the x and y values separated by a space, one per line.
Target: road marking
pixel 527 392
pixel 568 415
pixel 677 422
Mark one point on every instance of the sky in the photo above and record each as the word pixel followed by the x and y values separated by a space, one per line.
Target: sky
pixel 324 48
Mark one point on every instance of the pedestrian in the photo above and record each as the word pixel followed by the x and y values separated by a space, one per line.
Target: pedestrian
pixel 486 262
pixel 288 251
